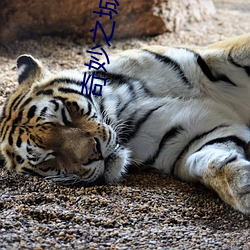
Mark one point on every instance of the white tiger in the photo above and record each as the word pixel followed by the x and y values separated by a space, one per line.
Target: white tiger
pixel 184 111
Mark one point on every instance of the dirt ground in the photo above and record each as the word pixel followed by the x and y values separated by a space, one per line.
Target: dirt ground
pixel 144 211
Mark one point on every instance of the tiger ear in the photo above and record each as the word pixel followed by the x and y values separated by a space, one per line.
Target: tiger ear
pixel 30 70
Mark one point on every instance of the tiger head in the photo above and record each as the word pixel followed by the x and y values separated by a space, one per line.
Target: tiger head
pixel 49 128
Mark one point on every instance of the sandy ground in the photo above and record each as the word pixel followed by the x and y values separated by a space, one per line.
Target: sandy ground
pixel 146 210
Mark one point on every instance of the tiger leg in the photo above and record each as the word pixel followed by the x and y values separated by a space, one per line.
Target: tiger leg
pixel 223 169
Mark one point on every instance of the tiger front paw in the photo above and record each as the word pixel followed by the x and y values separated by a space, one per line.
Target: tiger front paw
pixel 232 182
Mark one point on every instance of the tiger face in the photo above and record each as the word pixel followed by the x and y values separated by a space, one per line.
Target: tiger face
pixel 48 128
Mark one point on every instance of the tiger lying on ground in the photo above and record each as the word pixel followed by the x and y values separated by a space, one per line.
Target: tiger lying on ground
pixel 184 111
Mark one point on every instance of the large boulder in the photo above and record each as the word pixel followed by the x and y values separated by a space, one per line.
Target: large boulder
pixel 26 19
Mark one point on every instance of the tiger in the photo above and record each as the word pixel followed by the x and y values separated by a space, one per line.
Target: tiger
pixel 181 110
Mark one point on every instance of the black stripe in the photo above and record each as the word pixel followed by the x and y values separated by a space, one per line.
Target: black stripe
pixel 15 100
pixel 89 109
pixel 40 145
pixel 120 79
pixel 3 113
pixel 132 91
pixel 173 64
pixel 31 112
pixel 10 139
pixel 139 123
pixel 69 81
pixel 247 69
pixel 66 80
pixel 10 112
pixel 35 159
pixel 101 105
pixel 19 141
pixel 18 119
pixel 109 131
pixel 14 104
pixel 21 131
pixel 169 135
pixel 73 91
pixel 146 90
pixel 3 124
pixel 232 138
pixel 3 135
pixel 70 91
pixel 26 102
pixel 232 160
pixel 209 74
pixel 13 128
pixel 64 117
pixel 118 114
pixel 213 77
pixel 205 69
pixel 131 99
pixel 93 116
pixel 45 92
pixel 33 137
pixel 231 60
pixel 42 114
pixel 113 78
pixel 29 149
pixel 11 133
pixel 56 105
pixel 195 139
pixel 128 126
pixel 43 111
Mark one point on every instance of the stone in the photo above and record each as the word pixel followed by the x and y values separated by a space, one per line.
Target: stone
pixel 33 18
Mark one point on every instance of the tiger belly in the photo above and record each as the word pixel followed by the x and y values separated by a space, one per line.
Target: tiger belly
pixel 178 128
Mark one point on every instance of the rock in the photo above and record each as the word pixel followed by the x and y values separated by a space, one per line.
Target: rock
pixel 30 19
pixel 175 13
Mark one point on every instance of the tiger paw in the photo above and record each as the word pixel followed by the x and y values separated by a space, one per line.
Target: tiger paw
pixel 232 182
pixel 223 159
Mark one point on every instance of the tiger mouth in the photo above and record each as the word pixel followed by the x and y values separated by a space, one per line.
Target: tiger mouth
pixel 96 155
pixel 98 147
pixel 100 156
pixel 112 155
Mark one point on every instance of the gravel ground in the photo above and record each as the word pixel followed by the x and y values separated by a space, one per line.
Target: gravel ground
pixel 146 210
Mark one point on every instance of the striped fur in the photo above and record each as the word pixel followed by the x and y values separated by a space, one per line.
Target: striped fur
pixel 183 111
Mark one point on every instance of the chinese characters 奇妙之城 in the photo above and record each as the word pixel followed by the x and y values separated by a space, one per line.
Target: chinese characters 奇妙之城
pixel 110 8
